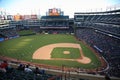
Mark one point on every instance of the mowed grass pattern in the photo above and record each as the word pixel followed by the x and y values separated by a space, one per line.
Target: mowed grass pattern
pixel 23 48
pixel 25 32
pixel 58 52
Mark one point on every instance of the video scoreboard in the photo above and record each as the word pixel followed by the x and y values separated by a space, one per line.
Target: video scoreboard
pixel 54 12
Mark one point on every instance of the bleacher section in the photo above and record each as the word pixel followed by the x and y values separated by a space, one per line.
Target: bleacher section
pixel 101 30
pixel 103 44
pixel 109 17
pixel 8 33
pixel 54 22
pixel 108 21
pixel 14 73
pixel 115 29
pixel 33 25
pixel 49 24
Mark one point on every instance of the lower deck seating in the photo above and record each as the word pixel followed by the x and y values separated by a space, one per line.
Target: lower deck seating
pixel 14 74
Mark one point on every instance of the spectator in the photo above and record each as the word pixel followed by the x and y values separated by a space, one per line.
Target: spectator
pixel 27 69
pixel 37 71
pixel 21 67
pixel 3 66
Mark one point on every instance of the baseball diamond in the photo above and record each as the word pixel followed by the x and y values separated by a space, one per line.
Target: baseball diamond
pixel 45 52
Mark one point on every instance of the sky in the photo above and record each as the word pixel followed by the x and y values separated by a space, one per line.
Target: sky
pixel 68 6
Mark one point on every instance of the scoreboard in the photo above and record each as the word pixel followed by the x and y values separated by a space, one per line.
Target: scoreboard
pixel 55 12
pixel 54 19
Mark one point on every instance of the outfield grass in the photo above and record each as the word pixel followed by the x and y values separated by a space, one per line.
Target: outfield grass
pixel 23 48
pixel 25 32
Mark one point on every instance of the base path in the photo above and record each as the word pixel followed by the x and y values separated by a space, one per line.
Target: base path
pixel 44 53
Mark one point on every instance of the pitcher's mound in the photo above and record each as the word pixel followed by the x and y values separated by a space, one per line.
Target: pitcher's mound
pixel 66 52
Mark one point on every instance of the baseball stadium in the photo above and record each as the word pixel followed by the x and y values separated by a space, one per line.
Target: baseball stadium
pixel 57 47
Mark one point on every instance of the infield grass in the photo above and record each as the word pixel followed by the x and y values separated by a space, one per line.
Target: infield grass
pixel 58 52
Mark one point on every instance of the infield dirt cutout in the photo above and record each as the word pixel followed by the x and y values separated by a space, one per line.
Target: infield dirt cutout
pixel 44 53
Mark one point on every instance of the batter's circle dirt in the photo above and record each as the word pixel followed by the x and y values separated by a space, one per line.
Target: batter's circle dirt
pixel 44 53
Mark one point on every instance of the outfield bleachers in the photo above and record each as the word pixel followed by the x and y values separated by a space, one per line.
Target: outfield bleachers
pixel 8 33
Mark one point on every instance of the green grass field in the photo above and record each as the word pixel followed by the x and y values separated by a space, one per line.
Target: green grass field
pixel 25 32
pixel 23 48
pixel 58 53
